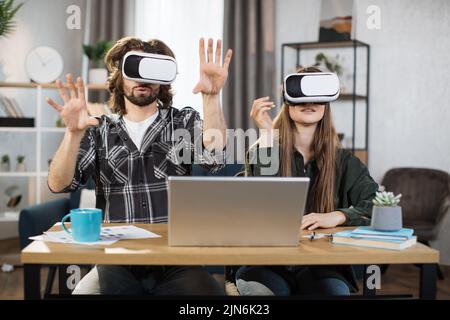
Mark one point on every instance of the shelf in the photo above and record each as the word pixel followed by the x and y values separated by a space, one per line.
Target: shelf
pixel 34 129
pixel 49 129
pixel 9 216
pixel 350 97
pixel 324 45
pixel 18 129
pixel 31 85
pixel 23 174
pixel 18 174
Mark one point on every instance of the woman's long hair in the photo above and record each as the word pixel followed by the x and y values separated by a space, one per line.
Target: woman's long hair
pixel 324 148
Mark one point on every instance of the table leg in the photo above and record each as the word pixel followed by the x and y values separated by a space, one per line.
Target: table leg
pixel 32 282
pixel 428 279
pixel 367 292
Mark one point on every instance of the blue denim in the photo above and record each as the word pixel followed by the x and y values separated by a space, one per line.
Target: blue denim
pixel 261 281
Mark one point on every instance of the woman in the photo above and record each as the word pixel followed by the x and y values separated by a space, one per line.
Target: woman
pixel 340 192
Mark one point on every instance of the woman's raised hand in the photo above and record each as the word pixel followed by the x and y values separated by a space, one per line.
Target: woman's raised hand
pixel 260 114
pixel 74 112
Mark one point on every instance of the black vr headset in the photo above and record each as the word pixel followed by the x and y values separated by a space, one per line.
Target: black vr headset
pixel 310 87
pixel 149 67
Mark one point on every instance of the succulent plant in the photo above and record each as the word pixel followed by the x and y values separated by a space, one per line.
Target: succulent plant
pixel 20 159
pixel 5 158
pixel 386 199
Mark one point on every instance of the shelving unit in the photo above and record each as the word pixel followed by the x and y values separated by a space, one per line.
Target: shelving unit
pixel 37 131
pixel 354 97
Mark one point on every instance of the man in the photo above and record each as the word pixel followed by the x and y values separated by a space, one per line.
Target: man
pixel 130 154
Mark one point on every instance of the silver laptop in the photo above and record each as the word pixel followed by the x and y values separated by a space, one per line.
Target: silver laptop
pixel 231 211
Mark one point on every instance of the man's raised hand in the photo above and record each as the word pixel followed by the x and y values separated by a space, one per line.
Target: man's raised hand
pixel 74 112
pixel 213 74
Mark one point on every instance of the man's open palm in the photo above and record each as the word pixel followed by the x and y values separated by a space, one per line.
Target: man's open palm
pixel 74 112
pixel 213 74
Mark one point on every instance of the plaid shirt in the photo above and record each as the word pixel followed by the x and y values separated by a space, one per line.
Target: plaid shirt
pixel 131 184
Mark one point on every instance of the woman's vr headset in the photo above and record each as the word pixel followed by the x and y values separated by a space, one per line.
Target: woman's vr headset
pixel 149 67
pixel 311 87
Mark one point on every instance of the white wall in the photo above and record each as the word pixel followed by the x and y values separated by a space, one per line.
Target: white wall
pixel 39 22
pixel 409 80
pixel 189 21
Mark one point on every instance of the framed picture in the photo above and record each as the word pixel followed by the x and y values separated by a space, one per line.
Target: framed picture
pixel 336 20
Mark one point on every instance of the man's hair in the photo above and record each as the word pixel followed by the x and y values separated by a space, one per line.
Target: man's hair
pixel 113 61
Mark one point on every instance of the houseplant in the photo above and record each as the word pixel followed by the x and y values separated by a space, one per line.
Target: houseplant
pixel 328 63
pixel 7 13
pixel 96 53
pixel 20 164
pixel 4 164
pixel 386 213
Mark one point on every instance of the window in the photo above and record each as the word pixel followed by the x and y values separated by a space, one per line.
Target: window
pixel 180 24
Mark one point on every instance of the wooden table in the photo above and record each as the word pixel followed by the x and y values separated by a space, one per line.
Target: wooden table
pixel 155 251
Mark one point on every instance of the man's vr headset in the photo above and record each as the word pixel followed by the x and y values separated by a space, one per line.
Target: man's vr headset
pixel 310 87
pixel 149 67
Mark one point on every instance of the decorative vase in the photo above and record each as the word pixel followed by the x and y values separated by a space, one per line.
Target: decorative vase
pixel 4 167
pixel 98 76
pixel 387 218
pixel 21 167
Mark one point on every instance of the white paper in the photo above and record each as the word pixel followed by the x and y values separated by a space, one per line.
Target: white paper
pixel 108 235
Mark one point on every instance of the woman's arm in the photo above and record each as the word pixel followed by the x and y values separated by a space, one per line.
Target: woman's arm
pixel 359 188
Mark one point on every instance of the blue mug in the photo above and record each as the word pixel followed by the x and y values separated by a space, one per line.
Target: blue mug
pixel 85 224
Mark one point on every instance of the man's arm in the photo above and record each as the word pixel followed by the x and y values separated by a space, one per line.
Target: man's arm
pixel 214 126
pixel 76 118
pixel 213 75
pixel 62 167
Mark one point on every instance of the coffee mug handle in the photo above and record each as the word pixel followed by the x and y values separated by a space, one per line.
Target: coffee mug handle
pixel 64 220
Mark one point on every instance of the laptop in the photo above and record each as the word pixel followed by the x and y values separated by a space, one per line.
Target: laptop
pixel 232 211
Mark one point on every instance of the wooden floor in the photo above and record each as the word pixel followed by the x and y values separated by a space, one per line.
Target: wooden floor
pixel 399 279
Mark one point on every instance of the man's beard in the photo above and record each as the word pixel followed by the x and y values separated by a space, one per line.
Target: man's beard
pixel 142 100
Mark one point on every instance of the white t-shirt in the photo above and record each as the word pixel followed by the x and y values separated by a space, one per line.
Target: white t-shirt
pixel 136 130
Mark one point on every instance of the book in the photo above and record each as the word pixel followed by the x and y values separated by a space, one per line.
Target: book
pixel 16 107
pixel 402 234
pixel 349 238
pixel 11 107
pixel 8 107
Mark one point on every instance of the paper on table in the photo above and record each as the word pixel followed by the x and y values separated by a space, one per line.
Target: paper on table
pixel 63 237
pixel 108 236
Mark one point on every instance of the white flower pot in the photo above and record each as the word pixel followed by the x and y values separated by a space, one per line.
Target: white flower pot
pixel 98 76
pixel 21 167
pixel 4 167
pixel 387 218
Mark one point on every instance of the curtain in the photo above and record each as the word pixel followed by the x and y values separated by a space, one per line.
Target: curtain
pixel 107 19
pixel 249 28
pixel 107 22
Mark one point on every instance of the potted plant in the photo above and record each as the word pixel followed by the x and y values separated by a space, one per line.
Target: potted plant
pixel 7 24
pixel 386 213
pixel 7 13
pixel 332 66
pixel 4 164
pixel 96 53
pixel 20 164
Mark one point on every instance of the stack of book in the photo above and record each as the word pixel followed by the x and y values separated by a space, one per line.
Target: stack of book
pixel 14 115
pixel 368 237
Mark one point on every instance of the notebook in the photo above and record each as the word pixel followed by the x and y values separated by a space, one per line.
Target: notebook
pixel 372 241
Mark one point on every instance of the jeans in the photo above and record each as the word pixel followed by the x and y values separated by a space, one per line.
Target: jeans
pixel 123 280
pixel 262 281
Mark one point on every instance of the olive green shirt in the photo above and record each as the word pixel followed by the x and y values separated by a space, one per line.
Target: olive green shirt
pixel 354 189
